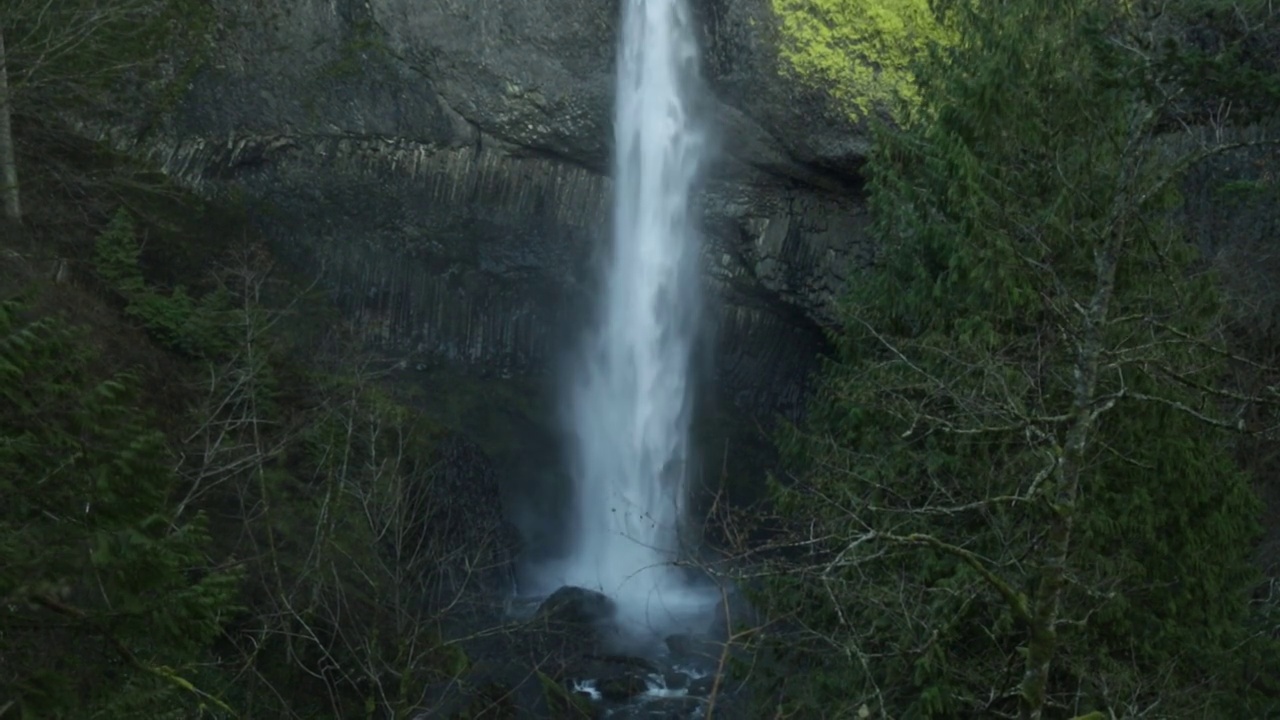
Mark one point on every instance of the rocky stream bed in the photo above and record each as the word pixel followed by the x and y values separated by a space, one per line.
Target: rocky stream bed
pixel 562 656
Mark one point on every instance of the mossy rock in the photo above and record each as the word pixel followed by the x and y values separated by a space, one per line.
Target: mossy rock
pixel 620 688
pixel 564 703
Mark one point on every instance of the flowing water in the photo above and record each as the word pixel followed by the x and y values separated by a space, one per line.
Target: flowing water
pixel 631 391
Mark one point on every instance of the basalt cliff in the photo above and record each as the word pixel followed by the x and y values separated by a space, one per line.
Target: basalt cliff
pixel 443 166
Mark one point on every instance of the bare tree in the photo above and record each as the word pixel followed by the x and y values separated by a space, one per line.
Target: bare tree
pixel 365 610
pixel 73 50
pixel 62 57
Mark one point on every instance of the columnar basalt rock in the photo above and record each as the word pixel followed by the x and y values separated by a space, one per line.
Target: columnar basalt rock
pixel 445 164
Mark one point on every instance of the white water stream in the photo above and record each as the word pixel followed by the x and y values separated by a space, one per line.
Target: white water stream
pixel 631 392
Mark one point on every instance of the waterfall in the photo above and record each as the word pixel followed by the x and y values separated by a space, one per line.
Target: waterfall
pixel 630 395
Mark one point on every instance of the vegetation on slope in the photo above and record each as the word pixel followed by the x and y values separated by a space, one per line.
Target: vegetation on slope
pixel 205 513
pixel 862 52
pixel 1018 494
pixel 1019 488
pixel 867 54
pixel 207 507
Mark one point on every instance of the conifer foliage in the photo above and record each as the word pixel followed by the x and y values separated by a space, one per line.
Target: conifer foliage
pixel 1017 486
pixel 106 602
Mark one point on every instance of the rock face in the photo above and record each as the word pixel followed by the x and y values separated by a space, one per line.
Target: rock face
pixel 444 165
pixel 459 530
pixel 580 674
pixel 576 606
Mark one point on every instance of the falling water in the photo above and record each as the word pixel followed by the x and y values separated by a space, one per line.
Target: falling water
pixel 631 391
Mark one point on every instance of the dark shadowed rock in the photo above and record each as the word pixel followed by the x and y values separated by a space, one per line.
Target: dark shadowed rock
pixel 703 651
pixel 461 537
pixel 622 687
pixel 576 606
pixel 617 678
pixel 673 708
pixel 443 167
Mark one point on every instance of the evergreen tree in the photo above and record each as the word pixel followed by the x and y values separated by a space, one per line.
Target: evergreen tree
pixel 107 603
pixel 1017 487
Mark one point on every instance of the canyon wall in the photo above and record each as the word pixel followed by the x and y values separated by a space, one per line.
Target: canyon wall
pixel 443 166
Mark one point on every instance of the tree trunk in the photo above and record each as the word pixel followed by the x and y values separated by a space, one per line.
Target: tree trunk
pixel 1043 642
pixel 8 163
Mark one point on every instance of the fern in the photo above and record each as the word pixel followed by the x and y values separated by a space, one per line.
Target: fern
pixel 195 327
pixel 92 562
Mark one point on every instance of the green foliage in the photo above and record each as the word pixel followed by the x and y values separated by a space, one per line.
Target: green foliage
pixel 1224 56
pixel 317 488
pixel 352 566
pixel 196 327
pixel 866 53
pixel 861 51
pixel 322 481
pixel 93 564
pixel 1031 196
pixel 70 54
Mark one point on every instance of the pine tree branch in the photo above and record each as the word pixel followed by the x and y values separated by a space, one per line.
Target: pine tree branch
pixel 1216 349
pixel 162 672
pixel 1237 426
pixel 1016 601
